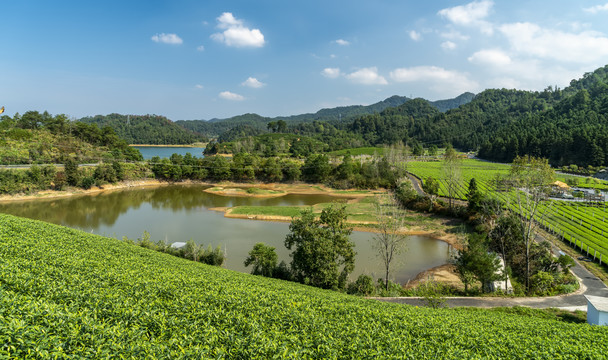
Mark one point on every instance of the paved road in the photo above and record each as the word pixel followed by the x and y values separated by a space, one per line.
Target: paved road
pixel 590 285
pixel 416 184
pixel 27 166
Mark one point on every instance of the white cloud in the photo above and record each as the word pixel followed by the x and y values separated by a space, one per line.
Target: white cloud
pixel 367 76
pixel 342 42
pixel 227 95
pixel 532 40
pixel 227 20
pixel 440 80
pixel 236 34
pixel 172 39
pixel 448 45
pixel 597 8
pixel 200 48
pixel 415 35
pixel 471 14
pixel 331 73
pixel 454 35
pixel 492 57
pixel 253 83
pixel 198 86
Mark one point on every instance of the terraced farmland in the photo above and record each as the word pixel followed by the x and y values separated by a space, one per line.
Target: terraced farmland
pixel 69 294
pixel 582 224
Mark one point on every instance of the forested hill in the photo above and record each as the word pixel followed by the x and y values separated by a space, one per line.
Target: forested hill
pixel 568 126
pixel 449 104
pixel 146 129
pixel 573 131
pixel 216 127
pixel 41 138
pixel 255 123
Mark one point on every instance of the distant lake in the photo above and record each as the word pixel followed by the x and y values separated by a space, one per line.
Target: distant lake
pixel 149 152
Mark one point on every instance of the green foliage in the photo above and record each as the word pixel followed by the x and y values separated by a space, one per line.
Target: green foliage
pixel 432 294
pixel 71 172
pixel 70 294
pixel 323 254
pixel 431 186
pixel 475 259
pixel 364 285
pixel 145 129
pixel 474 197
pixel 49 139
pixel 565 263
pixel 316 168
pixel 540 283
pixel 263 258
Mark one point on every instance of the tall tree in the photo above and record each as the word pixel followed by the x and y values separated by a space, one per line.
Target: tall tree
pixel 388 242
pixel 532 179
pixel 474 196
pixel 323 254
pixel 474 260
pixel 451 173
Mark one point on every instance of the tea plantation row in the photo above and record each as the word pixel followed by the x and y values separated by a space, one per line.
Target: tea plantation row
pixel 69 294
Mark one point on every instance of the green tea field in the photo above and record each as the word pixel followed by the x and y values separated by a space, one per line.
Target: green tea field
pixel 69 294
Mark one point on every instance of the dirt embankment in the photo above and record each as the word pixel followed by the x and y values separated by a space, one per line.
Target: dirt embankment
pixel 47 194
pixel 443 274
pixel 229 189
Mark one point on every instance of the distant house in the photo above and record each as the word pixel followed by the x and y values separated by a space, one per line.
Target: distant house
pixel 178 245
pixel 597 310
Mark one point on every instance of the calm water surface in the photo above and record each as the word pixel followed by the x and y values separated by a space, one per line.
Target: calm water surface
pixel 148 152
pixel 181 212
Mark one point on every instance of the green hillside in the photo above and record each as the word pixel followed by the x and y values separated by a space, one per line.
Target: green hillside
pixel 35 138
pixel 66 293
pixel 573 131
pixel 146 129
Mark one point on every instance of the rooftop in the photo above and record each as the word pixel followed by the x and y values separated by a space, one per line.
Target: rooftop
pixel 598 302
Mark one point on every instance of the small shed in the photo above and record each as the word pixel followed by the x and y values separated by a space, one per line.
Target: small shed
pixel 597 310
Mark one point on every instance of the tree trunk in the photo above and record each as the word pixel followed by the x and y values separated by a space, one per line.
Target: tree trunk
pixel 386 278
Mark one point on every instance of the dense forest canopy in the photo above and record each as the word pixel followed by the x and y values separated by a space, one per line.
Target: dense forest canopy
pixel 573 131
pixel 146 129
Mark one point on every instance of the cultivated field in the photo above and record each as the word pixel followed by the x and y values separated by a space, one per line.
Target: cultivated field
pixel 66 293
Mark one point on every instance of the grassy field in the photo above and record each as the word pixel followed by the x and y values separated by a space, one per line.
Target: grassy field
pixel 359 151
pixel 70 294
pixel 359 212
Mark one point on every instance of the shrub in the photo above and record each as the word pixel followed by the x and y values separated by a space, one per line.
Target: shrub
pixel 364 285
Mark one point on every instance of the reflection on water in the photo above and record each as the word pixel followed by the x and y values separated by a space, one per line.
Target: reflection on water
pixel 181 212
pixel 148 152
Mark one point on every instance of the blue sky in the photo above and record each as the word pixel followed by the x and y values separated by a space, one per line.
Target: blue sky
pixel 207 59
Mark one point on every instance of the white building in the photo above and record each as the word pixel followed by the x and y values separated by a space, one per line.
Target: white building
pixel 503 285
pixel 597 310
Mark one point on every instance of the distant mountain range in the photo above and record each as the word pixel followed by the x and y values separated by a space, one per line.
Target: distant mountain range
pixel 215 127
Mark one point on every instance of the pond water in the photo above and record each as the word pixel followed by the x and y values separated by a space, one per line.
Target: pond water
pixel 181 212
pixel 148 152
